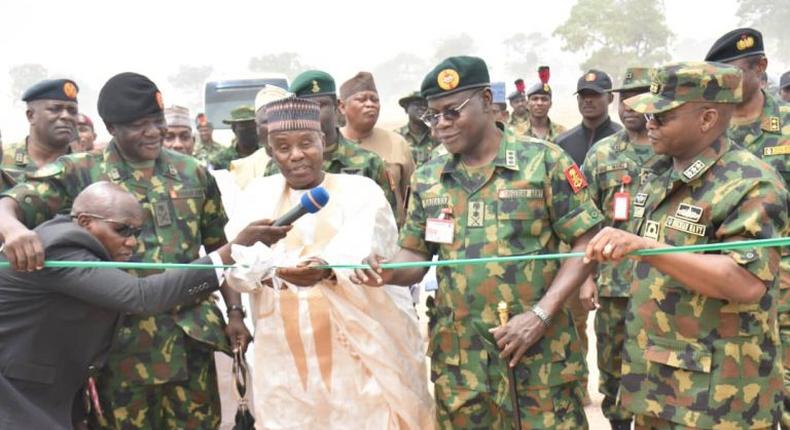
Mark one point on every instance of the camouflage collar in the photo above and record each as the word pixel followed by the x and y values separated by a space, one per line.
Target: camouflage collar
pixel 705 159
pixel 342 150
pixel 416 140
pixel 771 118
pixel 506 156
pixel 21 159
pixel 120 170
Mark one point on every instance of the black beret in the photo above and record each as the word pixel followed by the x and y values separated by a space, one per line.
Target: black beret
pixel 52 89
pixel 739 43
pixel 127 97
pixel 539 88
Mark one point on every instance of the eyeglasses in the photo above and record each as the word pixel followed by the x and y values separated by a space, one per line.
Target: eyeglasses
pixel 659 118
pixel 122 228
pixel 449 114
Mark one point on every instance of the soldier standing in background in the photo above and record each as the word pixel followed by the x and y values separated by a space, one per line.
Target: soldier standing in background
pixel 614 167
pixel 52 114
pixel 245 141
pixel 206 147
pixel 416 132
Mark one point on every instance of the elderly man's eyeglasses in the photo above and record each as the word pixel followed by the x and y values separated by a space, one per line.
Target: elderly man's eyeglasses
pixel 431 118
pixel 659 118
pixel 121 228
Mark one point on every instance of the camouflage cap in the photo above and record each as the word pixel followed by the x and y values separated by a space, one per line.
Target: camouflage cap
pixel 453 75
pixel 413 97
pixel 313 83
pixel 240 114
pixel 694 81
pixel 635 78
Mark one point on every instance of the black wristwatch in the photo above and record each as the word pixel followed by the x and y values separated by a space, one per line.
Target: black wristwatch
pixel 237 308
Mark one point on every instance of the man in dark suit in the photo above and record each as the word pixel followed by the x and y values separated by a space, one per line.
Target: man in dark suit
pixel 56 322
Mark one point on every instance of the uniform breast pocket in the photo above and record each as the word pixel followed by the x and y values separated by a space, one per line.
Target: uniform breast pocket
pixel 187 203
pixel 522 225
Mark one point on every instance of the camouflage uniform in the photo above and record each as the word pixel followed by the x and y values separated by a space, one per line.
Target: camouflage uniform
pixel 6 181
pixel 351 159
pixel 768 137
pixel 693 360
pixel 222 159
pixel 17 162
pixel 158 355
pixel 421 146
pixel 206 151
pixel 520 203
pixel 608 161
pixel 519 125
pixel 554 131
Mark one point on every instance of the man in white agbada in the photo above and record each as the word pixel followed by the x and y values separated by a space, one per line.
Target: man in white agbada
pixel 328 354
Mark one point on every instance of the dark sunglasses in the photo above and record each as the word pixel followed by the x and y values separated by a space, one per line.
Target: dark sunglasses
pixel 449 114
pixel 123 229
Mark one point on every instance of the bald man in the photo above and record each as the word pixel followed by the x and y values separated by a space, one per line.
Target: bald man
pixel 56 322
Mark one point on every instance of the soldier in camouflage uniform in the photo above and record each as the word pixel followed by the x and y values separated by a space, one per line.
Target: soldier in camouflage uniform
pixel 52 114
pixel 206 147
pixel 702 347
pixel 340 155
pixel 615 165
pixel 245 142
pixel 416 132
pixel 761 124
pixel 519 119
pixel 498 196
pixel 538 105
pixel 160 372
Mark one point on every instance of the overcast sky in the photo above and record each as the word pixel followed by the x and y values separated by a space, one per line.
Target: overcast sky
pixel 91 41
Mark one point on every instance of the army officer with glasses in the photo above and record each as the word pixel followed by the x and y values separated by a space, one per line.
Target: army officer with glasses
pixel 495 195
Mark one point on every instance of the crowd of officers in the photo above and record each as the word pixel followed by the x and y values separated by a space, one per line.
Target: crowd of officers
pixel 683 340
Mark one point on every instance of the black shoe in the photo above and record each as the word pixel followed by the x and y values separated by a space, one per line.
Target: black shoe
pixel 620 424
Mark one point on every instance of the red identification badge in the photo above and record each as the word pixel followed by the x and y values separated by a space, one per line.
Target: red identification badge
pixel 575 177
pixel 622 201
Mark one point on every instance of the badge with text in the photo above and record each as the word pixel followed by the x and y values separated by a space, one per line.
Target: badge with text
pixel 440 230
pixel 575 178
pixel 622 200
pixel 162 214
pixel 689 212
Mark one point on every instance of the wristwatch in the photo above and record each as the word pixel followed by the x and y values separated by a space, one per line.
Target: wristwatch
pixel 237 308
pixel 544 316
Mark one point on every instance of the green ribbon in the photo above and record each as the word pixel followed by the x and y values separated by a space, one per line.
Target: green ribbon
pixel 726 246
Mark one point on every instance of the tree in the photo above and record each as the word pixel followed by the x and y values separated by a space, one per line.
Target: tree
pixel 772 18
pixel 523 53
pixel 23 76
pixel 400 75
pixel 287 63
pixel 463 44
pixel 616 34
pixel 189 81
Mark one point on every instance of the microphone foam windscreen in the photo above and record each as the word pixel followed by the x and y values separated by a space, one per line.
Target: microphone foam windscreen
pixel 315 199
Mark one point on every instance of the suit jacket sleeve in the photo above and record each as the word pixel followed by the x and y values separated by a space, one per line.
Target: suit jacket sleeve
pixel 117 290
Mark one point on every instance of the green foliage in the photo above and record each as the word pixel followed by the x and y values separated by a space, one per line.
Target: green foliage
pixel 283 62
pixel 772 18
pixel 616 34
pixel 462 44
pixel 523 52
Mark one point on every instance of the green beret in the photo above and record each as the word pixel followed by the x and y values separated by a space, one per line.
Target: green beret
pixel 313 83
pixel 455 74
pixel 676 84
pixel 52 89
pixel 635 78
pixel 127 97
pixel 739 43
pixel 414 96
pixel 240 114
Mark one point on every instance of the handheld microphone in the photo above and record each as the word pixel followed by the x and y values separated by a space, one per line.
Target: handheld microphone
pixel 311 202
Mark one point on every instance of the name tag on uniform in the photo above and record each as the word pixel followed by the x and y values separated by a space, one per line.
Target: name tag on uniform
pixel 685 226
pixel 621 202
pixel 776 150
pixel 439 230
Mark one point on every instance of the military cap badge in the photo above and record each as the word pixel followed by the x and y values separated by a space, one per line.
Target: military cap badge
pixel 589 77
pixel 159 100
pixel 655 87
pixel 448 79
pixel 70 90
pixel 315 87
pixel 745 42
